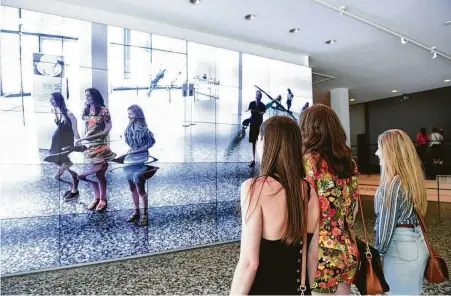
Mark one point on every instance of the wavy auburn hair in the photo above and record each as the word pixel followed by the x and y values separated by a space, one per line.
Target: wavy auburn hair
pixel 323 134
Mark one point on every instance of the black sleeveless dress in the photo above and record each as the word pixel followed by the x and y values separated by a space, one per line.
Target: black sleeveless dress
pixel 62 137
pixel 279 269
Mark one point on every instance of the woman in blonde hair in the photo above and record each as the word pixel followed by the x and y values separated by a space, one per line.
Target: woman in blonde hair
pixel 399 238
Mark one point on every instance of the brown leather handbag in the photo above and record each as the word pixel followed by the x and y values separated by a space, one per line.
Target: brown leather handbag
pixel 369 278
pixel 436 270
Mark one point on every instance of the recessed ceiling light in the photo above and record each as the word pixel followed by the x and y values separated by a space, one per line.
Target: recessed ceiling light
pixel 295 30
pixel 394 91
pixel 250 17
pixel 352 100
pixel 332 41
pixel 195 2
pixel 448 23
pixel 447 80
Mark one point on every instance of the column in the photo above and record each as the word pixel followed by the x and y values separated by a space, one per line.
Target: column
pixel 99 51
pixel 339 101
pixel 240 85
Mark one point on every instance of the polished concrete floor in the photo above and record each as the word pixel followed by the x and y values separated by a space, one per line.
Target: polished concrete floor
pixel 201 271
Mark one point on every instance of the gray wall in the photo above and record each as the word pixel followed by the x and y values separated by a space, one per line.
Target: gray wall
pixel 357 119
pixel 428 109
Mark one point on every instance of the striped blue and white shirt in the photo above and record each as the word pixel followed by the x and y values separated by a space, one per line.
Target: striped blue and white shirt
pixel 137 138
pixel 400 210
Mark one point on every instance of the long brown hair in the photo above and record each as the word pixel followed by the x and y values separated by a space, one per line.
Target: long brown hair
pixel 323 134
pixel 282 156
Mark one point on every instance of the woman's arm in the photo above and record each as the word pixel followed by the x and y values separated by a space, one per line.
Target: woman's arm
pixel 105 132
pixel 73 121
pixel 150 141
pixel 388 214
pixel 105 116
pixel 250 243
pixel 313 223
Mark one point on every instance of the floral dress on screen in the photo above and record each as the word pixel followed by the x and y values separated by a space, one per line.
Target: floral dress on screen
pixel 98 150
pixel 337 250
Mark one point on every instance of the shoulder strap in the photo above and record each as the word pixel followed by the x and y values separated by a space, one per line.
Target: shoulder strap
pixel 303 286
pixel 423 228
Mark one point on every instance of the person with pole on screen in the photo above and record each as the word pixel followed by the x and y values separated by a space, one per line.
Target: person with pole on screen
pixel 257 109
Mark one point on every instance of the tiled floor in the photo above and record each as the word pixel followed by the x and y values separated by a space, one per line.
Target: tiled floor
pixel 192 199
pixel 201 271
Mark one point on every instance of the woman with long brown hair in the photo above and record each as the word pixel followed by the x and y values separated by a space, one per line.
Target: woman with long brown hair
pixel 332 172
pixel 402 192
pixel 274 216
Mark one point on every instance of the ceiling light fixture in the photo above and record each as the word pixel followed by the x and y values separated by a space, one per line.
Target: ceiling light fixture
pixel 403 40
pixel 434 54
pixel 332 41
pixel 250 17
pixel 394 91
pixel 343 9
pixel 295 30
pixel 195 2
pixel 448 23
pixel 447 80
pixel 352 100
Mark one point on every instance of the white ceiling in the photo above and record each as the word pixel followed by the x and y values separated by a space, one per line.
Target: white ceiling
pixel 366 60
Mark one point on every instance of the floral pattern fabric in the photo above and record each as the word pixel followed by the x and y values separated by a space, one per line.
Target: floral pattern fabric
pixel 337 253
pixel 98 150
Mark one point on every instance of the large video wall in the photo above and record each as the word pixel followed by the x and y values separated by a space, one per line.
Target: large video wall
pixel 194 98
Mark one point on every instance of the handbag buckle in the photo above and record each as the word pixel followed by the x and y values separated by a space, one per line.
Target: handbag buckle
pixel 368 252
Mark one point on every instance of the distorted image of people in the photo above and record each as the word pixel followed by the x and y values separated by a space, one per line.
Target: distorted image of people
pixel 98 125
pixel 257 109
pixel 63 137
pixel 158 77
pixel 290 97
pixel 140 139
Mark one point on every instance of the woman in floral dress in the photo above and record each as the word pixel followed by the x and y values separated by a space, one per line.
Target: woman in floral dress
pixel 332 172
pixel 98 125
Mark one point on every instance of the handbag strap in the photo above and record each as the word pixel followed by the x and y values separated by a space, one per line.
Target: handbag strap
pixel 363 218
pixel 303 286
pixel 365 233
pixel 423 228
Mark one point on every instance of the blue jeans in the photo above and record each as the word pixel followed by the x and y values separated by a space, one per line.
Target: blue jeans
pixel 405 261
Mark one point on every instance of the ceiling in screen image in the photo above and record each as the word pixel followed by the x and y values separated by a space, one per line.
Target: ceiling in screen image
pixel 368 61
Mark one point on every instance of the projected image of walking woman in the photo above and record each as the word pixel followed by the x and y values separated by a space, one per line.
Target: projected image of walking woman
pixel 98 125
pixel 63 137
pixel 140 139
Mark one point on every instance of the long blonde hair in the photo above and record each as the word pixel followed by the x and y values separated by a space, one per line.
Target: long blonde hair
pixel 400 160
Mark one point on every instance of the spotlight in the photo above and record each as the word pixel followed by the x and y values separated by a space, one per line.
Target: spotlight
pixel 195 2
pixel 250 17
pixel 405 97
pixel 394 91
pixel 433 52
pixel 295 30
pixel 352 100
pixel 332 41
pixel 447 80
pixel 448 23
pixel 343 9
pixel 403 40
